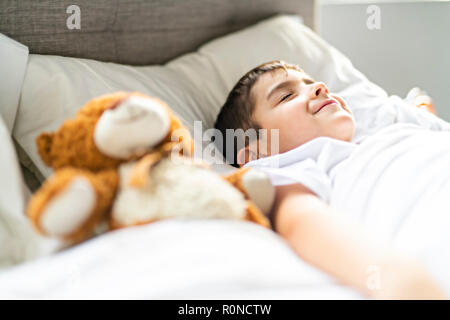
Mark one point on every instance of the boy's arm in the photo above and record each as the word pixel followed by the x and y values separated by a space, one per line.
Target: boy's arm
pixel 409 112
pixel 322 238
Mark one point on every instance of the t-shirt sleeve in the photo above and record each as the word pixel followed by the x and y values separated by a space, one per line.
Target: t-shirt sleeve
pixel 306 172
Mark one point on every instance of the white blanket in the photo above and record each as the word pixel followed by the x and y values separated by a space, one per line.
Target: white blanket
pixel 397 185
pixel 175 260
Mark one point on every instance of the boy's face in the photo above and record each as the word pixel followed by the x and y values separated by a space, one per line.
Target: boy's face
pixel 300 108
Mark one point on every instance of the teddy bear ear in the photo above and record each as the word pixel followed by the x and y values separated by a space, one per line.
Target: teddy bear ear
pixel 44 145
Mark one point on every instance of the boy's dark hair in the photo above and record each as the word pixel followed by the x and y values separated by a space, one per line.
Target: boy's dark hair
pixel 237 112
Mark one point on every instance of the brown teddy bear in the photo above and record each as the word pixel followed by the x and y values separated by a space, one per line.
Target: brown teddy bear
pixel 124 160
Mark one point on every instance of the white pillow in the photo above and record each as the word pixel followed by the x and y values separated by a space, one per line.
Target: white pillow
pixel 13 62
pixel 12 192
pixel 194 85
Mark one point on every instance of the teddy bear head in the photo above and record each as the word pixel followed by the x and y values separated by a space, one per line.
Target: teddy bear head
pixel 111 130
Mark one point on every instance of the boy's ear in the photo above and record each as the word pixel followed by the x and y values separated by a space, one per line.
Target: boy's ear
pixel 245 155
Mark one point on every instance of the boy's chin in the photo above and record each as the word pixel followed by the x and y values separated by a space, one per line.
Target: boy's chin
pixel 345 130
pixel 346 135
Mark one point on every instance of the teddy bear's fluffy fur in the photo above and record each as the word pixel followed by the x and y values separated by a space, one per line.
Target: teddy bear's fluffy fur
pixel 176 189
pixel 143 187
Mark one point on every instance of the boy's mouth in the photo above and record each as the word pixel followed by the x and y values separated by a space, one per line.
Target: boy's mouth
pixel 324 104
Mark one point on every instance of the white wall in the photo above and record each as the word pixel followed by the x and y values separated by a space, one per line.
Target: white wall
pixel 412 48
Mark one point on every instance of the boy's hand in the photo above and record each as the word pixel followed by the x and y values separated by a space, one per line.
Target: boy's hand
pixel 420 99
pixel 406 280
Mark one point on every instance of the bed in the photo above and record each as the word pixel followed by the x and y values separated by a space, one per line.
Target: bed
pixel 189 53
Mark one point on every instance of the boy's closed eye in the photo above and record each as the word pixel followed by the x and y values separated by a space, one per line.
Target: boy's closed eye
pixel 286 97
pixel 294 87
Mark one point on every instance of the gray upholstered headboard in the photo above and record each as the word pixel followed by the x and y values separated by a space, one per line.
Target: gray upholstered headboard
pixel 136 32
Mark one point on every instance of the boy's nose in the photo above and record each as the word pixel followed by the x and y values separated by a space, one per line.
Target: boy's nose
pixel 318 88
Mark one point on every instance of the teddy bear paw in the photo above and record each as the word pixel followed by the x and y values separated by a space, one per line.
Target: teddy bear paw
pixel 69 210
pixel 259 189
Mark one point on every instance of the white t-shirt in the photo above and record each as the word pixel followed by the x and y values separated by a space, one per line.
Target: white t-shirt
pixel 312 164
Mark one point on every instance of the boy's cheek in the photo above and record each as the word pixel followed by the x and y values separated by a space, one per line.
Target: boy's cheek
pixel 342 102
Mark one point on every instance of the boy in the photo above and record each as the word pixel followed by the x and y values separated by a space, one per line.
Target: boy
pixel 277 95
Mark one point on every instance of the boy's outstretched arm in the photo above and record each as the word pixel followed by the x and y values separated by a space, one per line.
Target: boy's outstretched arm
pixel 321 237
